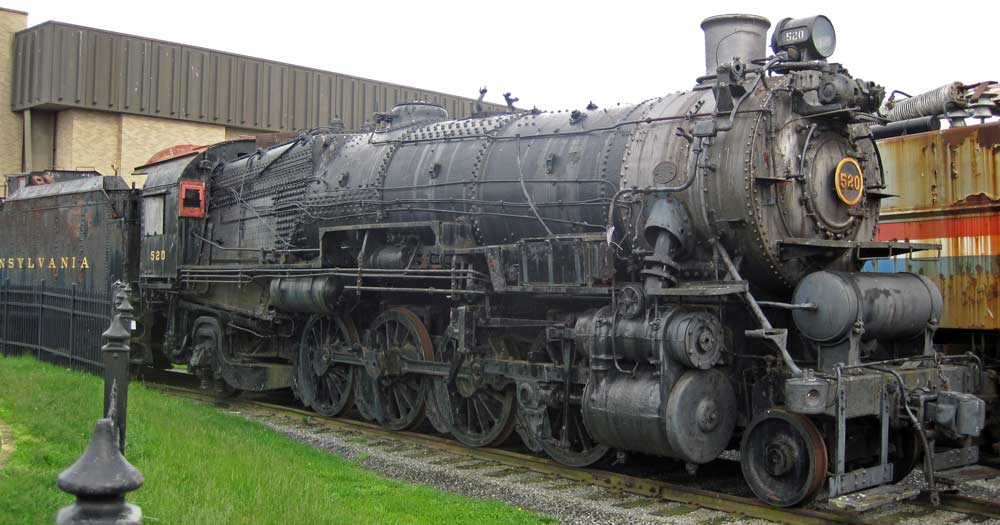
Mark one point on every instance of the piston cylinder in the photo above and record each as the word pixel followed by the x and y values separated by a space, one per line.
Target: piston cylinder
pixel 691 338
pixel 315 295
pixel 887 305
pixel 691 420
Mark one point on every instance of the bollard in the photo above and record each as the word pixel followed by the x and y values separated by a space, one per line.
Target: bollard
pixel 99 480
pixel 115 354
pixel 124 306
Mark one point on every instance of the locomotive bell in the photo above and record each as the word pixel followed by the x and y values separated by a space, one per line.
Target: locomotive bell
pixel 733 36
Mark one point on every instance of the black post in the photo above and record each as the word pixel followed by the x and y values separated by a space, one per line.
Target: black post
pixel 101 477
pixel 116 370
pixel 99 480
pixel 72 324
pixel 41 319
pixel 6 317
pixel 125 306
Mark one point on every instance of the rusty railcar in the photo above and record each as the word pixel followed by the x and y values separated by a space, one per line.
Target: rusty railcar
pixel 947 187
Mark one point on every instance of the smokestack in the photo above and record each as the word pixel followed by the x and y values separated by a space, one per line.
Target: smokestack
pixel 730 36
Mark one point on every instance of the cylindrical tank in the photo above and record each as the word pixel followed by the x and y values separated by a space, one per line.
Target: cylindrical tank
pixel 305 294
pixel 889 305
pixel 691 338
pixel 731 36
pixel 694 423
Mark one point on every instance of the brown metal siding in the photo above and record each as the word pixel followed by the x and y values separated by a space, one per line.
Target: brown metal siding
pixel 61 65
pixel 948 187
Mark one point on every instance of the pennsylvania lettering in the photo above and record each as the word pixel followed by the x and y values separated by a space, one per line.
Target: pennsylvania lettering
pixel 44 263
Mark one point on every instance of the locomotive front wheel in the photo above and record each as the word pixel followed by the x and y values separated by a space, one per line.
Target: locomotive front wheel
pixel 566 439
pixel 321 383
pixel 783 457
pixel 477 414
pixel 397 400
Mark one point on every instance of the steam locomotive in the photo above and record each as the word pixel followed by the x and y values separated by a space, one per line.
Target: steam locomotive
pixel 678 277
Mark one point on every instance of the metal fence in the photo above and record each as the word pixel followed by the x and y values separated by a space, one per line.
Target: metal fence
pixel 57 325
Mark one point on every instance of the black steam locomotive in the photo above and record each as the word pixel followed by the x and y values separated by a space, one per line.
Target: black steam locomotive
pixel 677 278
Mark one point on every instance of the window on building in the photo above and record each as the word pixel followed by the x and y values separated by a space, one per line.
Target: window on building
pixel 152 215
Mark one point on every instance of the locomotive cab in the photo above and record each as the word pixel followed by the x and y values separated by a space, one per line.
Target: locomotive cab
pixel 174 209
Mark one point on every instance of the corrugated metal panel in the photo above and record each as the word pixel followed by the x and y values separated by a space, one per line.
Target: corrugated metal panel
pixel 949 194
pixel 62 65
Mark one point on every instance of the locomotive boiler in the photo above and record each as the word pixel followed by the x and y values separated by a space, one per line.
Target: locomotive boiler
pixel 678 277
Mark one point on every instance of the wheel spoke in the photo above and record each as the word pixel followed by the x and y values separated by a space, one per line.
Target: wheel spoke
pixel 401 391
pixel 483 426
pixel 486 407
pixel 580 434
pixel 399 403
pixel 336 389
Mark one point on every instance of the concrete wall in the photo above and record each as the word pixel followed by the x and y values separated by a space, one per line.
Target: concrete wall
pixel 43 141
pixel 11 127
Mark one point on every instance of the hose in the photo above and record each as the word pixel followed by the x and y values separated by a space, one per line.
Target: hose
pixel 928 453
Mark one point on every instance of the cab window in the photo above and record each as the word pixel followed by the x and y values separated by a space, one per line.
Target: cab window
pixel 192 201
pixel 152 215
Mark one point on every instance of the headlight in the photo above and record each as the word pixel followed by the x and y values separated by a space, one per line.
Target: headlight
pixel 813 38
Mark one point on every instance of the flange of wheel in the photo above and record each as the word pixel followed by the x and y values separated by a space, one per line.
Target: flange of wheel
pixel 321 383
pixel 396 399
pixel 783 458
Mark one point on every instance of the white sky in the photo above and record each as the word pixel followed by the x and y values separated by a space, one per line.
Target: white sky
pixel 551 54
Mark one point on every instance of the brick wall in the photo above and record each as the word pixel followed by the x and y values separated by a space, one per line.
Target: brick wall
pixel 142 137
pixel 115 142
pixel 11 130
pixel 88 140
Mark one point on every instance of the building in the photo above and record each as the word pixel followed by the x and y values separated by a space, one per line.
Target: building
pixel 87 99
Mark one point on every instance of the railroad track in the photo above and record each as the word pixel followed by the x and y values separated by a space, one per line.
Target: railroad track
pixel 650 490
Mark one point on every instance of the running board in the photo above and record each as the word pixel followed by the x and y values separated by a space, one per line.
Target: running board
pixel 797 248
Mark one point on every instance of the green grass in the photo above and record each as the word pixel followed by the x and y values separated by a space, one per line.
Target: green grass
pixel 201 465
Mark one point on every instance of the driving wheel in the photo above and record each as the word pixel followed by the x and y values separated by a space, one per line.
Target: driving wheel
pixel 477 414
pixel 322 384
pixel 395 399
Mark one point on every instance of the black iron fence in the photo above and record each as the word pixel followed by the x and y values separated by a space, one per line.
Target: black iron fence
pixel 57 325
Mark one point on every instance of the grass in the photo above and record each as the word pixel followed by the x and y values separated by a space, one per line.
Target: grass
pixel 201 465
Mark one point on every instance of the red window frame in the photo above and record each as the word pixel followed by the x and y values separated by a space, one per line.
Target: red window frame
pixel 190 211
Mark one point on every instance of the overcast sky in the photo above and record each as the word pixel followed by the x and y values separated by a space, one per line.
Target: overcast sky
pixel 553 55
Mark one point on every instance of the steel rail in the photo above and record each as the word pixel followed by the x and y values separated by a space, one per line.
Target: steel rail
pixel 962 504
pixel 670 492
